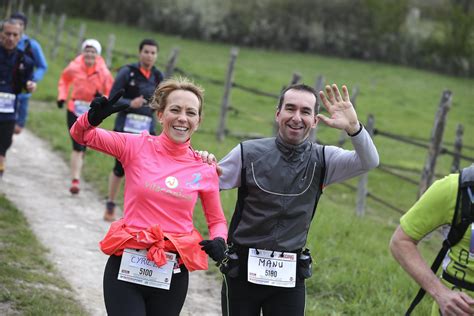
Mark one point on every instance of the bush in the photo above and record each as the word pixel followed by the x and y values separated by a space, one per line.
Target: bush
pixel 365 29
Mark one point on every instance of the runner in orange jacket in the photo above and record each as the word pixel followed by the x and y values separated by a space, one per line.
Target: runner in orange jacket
pixel 89 77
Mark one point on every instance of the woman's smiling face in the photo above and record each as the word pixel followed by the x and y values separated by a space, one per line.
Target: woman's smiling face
pixel 181 115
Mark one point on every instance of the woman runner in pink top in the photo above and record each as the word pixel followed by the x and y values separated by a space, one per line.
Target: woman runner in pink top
pixel 155 244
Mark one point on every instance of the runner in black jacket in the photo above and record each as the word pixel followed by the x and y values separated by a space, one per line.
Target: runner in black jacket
pixel 279 181
pixel 16 74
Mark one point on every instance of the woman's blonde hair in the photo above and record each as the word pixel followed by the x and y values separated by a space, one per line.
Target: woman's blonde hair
pixel 160 96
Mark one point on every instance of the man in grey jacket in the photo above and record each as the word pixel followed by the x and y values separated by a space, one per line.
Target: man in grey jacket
pixel 279 183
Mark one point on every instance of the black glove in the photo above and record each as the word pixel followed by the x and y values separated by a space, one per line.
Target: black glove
pixel 97 94
pixel 214 248
pixel 60 104
pixel 101 108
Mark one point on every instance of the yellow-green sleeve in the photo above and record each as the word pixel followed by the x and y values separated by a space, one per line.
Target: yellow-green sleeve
pixel 434 209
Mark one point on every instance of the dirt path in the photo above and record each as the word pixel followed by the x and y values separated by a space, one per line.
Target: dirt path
pixel 36 181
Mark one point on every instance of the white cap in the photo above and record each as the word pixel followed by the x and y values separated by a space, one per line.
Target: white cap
pixel 92 43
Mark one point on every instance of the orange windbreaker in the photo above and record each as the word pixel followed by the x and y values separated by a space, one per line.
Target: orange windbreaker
pixel 86 82
pixel 187 246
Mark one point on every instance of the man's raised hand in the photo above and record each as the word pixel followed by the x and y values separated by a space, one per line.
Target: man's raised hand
pixel 342 112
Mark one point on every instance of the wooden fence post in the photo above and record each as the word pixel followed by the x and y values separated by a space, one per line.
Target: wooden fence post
pixel 227 89
pixel 436 139
pixel 171 63
pixel 295 78
pixel 343 134
pixel 30 15
pixel 80 39
pixel 9 8
pixel 39 19
pixel 67 51
pixel 318 86
pixel 57 38
pixel 52 29
pixel 363 179
pixel 457 149
pixel 110 50
pixel 21 4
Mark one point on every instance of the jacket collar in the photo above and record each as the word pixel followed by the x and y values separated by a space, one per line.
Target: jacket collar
pixel 292 152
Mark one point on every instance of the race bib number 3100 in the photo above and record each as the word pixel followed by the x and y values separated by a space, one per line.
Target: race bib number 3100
pixel 80 107
pixel 136 123
pixel 136 268
pixel 272 268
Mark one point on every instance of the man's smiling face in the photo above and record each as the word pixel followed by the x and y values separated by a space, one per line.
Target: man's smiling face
pixel 297 116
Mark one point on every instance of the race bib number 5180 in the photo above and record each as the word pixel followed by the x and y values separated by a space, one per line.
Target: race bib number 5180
pixel 272 268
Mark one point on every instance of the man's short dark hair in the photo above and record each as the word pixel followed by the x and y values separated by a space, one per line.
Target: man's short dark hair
pixel 10 21
pixel 20 16
pixel 300 87
pixel 148 41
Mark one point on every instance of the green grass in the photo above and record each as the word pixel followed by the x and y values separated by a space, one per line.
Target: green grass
pixel 354 273
pixel 29 284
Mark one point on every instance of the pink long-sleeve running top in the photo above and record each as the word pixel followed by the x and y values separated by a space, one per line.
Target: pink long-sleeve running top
pixel 164 179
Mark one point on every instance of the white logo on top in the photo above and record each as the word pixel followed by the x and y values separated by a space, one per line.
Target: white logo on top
pixel 171 182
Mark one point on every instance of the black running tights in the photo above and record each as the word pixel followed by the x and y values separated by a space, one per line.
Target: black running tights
pixel 125 298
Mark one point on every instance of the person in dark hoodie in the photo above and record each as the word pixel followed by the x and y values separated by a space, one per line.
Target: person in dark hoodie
pixel 33 49
pixel 139 80
pixel 16 74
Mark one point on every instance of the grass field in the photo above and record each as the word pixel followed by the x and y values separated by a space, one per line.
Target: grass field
pixel 29 283
pixel 354 273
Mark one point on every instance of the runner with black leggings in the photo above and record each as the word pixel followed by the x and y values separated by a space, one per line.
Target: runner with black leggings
pixel 86 76
pixel 16 74
pixel 155 244
pixel 280 181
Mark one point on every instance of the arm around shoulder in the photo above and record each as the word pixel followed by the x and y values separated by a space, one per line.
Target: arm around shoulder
pixel 212 206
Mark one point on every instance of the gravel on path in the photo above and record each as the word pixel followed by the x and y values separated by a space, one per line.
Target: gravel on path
pixel 36 180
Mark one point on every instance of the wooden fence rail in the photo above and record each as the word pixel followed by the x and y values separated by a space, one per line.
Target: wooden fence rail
pixel 406 139
pixel 57 29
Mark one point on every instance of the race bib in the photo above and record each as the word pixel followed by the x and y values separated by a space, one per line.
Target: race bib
pixel 136 123
pixel 7 102
pixel 136 268
pixel 80 107
pixel 266 267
